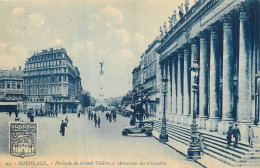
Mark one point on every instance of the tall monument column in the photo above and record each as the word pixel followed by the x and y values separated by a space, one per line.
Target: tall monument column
pixel 203 82
pixel 179 87
pixel 227 111
pixel 212 123
pixel 186 96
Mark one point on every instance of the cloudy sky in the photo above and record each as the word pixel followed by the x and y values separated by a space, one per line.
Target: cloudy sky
pixel 115 31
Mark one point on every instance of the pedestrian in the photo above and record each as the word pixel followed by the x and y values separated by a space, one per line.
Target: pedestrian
pixel 62 128
pixel 89 116
pixel 95 116
pixel 78 115
pixel 95 119
pixel 10 113
pixel 236 135
pixel 67 120
pixel 250 136
pixel 110 117
pixel 201 144
pixel 114 117
pixel 107 115
pixel 98 122
pixel 229 136
pixel 31 118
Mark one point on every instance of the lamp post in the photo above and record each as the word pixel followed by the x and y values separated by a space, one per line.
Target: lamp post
pixel 164 136
pixel 132 121
pixel 194 151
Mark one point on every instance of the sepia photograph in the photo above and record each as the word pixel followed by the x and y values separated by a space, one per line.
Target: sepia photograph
pixel 129 83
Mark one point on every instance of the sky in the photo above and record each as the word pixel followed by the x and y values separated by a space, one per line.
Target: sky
pixel 114 31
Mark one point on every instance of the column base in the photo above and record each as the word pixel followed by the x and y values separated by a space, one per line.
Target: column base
pixel 185 120
pixel 212 124
pixel 193 153
pixel 174 118
pixel 169 117
pixel 202 122
pixel 179 118
pixel 224 125
pixel 163 137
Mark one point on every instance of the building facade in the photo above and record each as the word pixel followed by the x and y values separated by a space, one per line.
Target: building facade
pixel 52 82
pixel 11 89
pixel 151 78
pixel 221 37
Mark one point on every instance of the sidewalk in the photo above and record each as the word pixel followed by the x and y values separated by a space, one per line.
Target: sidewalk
pixel 205 161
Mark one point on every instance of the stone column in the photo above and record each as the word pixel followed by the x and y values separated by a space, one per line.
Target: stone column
pixel 167 105
pixel 227 111
pixel 161 91
pixel 244 110
pixel 169 97
pixel 179 87
pixel 203 85
pixel 61 108
pixel 58 108
pixel 174 91
pixel 186 97
pixel 244 81
pixel 54 107
pixel 212 123
pixel 194 60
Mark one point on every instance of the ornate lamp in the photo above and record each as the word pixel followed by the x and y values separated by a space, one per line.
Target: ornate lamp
pixel 164 136
pixel 194 152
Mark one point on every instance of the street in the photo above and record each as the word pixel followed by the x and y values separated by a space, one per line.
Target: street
pixel 84 142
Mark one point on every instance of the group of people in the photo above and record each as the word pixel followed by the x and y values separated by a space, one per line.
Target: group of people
pixel 94 116
pixel 236 134
pixel 111 115
pixel 63 125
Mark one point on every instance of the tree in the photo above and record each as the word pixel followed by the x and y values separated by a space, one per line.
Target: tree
pixel 88 100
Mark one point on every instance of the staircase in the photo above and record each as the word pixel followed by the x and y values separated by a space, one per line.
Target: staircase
pixel 242 156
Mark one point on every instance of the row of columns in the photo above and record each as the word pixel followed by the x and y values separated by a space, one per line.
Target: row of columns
pixel 176 68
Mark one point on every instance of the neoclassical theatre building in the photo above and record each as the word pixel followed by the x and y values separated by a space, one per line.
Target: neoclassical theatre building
pixel 221 38
pixel 52 82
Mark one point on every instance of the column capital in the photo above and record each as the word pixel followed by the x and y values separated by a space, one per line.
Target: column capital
pixel 180 52
pixel 213 28
pixel 194 41
pixel 227 21
pixel 243 9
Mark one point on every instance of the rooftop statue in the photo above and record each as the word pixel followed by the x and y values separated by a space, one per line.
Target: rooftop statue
pixel 170 21
pixel 174 19
pixel 187 4
pixel 161 30
pixel 165 27
pixel 181 10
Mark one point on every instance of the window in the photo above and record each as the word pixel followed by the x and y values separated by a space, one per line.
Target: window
pixel 18 86
pixel 8 85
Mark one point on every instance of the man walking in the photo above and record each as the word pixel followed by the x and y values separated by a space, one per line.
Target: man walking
pixel 98 122
pixel 95 119
pixel 62 128
pixel 236 134
pixel 250 136
pixel 229 136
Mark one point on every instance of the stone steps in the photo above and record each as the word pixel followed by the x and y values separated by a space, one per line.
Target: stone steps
pixel 243 155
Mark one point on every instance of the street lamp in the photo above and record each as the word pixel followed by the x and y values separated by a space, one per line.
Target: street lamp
pixel 164 136
pixel 194 151
pixel 132 121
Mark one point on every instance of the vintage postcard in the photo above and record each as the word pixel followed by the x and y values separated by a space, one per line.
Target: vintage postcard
pixel 129 83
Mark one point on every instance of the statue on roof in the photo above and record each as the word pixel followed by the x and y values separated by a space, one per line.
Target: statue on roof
pixel 161 32
pixel 170 21
pixel 174 18
pixel 181 10
pixel 187 4
pixel 165 28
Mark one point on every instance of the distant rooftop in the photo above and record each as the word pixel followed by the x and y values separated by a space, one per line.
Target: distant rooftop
pixel 13 72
